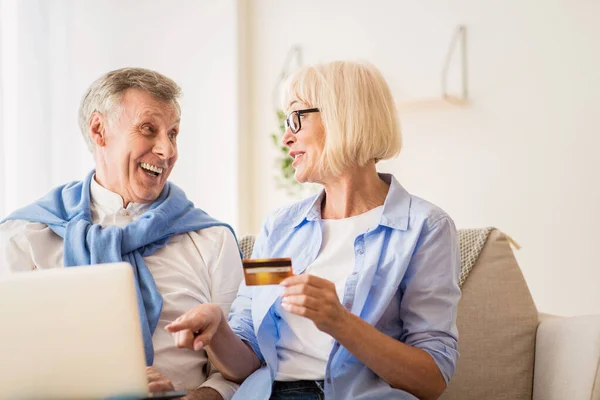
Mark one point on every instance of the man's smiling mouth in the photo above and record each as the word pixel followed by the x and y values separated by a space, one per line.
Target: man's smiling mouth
pixel 151 169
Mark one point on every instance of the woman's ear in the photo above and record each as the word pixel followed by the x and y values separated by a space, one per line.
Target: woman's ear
pixel 97 130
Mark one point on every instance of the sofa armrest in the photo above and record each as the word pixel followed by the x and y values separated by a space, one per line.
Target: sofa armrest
pixel 567 359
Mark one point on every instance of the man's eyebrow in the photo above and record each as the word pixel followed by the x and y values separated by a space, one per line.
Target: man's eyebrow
pixel 157 115
pixel 153 114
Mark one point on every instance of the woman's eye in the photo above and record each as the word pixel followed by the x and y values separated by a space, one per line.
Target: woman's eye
pixel 173 136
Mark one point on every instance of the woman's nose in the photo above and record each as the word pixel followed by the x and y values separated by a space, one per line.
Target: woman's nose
pixel 288 137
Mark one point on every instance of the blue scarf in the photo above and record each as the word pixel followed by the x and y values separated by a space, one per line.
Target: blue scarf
pixel 66 210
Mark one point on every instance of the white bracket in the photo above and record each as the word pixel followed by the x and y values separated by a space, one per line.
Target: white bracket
pixel 458 39
pixel 292 61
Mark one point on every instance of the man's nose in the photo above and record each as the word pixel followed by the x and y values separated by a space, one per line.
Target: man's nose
pixel 164 147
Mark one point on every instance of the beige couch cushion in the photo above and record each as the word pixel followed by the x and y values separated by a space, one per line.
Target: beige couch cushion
pixel 497 322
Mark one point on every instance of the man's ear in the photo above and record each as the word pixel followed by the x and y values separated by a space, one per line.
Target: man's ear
pixel 97 129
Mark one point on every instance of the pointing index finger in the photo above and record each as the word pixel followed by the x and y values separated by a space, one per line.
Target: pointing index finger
pixel 179 325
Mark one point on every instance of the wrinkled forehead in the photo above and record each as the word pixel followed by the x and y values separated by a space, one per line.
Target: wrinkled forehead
pixel 140 104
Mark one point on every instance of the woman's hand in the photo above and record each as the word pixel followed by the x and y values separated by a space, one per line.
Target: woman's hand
pixel 316 299
pixel 196 328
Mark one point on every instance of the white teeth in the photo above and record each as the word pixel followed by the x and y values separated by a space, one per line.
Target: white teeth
pixel 152 168
pixel 298 155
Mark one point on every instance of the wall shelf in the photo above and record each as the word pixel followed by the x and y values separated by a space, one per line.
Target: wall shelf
pixel 458 45
pixel 458 41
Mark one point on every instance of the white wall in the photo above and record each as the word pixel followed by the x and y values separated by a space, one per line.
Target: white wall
pixel 522 157
pixel 25 104
pixel 64 45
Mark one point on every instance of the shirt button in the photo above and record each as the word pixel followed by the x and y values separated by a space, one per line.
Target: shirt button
pixel 126 213
pixel 348 305
pixel 360 251
pixel 329 380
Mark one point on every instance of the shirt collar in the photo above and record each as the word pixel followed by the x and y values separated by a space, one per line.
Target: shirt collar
pixel 311 210
pixel 395 208
pixel 111 202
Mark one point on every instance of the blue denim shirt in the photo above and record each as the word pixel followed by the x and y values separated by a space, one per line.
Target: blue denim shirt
pixel 404 283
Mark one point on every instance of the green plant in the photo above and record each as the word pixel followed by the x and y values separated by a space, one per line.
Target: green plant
pixel 285 178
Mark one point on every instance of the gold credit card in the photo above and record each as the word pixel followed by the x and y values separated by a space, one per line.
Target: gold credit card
pixel 266 271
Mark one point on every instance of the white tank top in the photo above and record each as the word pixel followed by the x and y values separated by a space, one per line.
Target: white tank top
pixel 302 349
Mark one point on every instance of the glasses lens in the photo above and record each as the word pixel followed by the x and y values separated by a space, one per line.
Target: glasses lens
pixel 294 122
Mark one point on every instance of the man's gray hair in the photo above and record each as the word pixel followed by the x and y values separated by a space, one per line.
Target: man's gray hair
pixel 105 94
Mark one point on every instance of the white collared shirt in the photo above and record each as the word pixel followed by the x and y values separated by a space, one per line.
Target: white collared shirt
pixel 193 268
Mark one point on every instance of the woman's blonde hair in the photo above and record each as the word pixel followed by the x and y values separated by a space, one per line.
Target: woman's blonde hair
pixel 357 110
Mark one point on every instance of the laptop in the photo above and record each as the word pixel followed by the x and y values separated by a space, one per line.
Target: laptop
pixel 72 333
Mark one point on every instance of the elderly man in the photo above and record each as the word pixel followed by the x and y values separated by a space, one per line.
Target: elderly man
pixel 127 210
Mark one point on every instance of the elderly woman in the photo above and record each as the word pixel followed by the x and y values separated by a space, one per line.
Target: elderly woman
pixel 371 310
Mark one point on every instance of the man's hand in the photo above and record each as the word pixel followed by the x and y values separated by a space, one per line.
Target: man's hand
pixel 157 382
pixel 316 299
pixel 203 393
pixel 196 328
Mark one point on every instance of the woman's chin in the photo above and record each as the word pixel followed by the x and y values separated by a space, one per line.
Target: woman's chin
pixel 304 175
pixel 300 177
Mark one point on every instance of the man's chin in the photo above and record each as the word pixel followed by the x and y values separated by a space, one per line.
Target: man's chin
pixel 146 199
pixel 145 195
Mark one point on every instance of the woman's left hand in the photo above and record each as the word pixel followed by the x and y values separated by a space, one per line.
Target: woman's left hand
pixel 316 299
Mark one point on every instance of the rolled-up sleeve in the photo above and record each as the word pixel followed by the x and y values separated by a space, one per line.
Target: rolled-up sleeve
pixel 240 316
pixel 216 381
pixel 431 293
pixel 240 319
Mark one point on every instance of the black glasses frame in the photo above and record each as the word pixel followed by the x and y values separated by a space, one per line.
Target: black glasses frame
pixel 298 114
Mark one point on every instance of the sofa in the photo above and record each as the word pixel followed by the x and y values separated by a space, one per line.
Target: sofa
pixel 508 351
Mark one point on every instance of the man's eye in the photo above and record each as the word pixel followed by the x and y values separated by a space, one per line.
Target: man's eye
pixel 148 128
pixel 173 136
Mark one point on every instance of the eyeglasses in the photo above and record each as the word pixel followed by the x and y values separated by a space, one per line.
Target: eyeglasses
pixel 293 119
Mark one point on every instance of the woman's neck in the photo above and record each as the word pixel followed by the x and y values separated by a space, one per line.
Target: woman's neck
pixel 353 193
